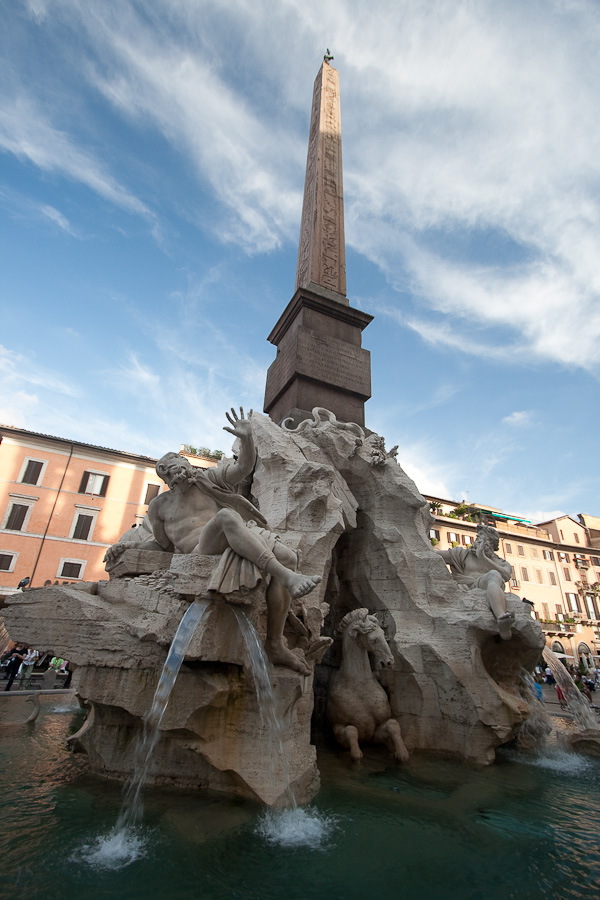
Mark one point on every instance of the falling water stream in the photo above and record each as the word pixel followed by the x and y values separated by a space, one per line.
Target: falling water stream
pixel 259 666
pixel 132 808
pixel 578 705
pixel 124 844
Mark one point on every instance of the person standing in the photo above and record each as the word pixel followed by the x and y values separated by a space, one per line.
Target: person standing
pixel 31 657
pixel 15 658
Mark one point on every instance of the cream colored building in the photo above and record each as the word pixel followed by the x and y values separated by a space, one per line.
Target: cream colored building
pixel 555 565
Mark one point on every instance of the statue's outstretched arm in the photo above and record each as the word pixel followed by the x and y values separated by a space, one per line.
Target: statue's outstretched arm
pixel 241 429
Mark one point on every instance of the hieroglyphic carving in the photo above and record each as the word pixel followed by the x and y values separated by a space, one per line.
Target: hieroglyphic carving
pixel 321 255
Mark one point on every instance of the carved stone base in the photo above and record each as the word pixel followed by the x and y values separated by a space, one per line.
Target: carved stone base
pixel 139 562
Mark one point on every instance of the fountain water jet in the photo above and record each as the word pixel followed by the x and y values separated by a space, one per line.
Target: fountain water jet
pixel 132 808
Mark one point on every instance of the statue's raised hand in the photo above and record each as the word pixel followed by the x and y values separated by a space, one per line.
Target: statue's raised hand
pixel 241 427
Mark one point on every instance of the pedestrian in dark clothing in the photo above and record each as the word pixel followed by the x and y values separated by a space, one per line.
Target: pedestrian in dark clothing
pixel 15 658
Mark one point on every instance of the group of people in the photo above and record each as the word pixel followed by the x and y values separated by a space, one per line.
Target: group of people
pixel 22 660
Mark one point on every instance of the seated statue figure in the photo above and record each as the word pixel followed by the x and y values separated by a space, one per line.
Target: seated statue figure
pixel 202 513
pixel 478 566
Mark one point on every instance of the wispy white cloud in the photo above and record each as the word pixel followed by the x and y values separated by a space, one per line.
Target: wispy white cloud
pixel 519 418
pixel 488 113
pixel 19 369
pixel 27 133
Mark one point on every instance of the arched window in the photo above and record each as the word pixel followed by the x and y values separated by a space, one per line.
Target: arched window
pixel 557 647
pixel 584 654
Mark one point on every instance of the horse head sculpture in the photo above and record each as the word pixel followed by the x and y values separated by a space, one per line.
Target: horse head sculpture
pixel 366 631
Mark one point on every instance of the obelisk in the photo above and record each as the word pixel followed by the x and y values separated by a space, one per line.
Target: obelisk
pixel 320 361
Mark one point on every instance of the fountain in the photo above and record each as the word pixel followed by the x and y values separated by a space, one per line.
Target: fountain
pixel 314 525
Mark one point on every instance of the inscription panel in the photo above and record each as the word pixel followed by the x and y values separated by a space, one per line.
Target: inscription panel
pixel 334 362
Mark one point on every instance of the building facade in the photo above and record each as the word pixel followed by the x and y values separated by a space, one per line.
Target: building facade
pixel 63 503
pixel 555 566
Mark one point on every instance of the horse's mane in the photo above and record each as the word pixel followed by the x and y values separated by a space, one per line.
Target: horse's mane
pixel 360 619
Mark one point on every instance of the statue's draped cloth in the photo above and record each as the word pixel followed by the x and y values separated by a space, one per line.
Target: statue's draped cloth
pixel 234 574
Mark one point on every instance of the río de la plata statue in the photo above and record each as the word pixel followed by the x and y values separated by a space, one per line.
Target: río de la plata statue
pixel 201 513
pixel 479 566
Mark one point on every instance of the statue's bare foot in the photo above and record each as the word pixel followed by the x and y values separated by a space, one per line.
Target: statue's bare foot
pixel 299 585
pixel 280 655
pixel 505 624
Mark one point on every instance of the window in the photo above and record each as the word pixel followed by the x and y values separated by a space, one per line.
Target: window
pixel 508 548
pixel 559 609
pixel 535 553
pixel 153 489
pixel 94 483
pixel 513 577
pixel 70 568
pixel 31 471
pixel 546 611
pixel 7 562
pixel 567 573
pixel 524 573
pixel 573 601
pixel 564 557
pixel 595 560
pixel 552 578
pixel 83 523
pixel 82 527
pixel 18 512
pixel 562 537
pixel 539 577
pixel 576 536
pixel 16 517
pixel 452 536
pixel 549 555
pixel 467 539
pixel 589 602
pixel 520 550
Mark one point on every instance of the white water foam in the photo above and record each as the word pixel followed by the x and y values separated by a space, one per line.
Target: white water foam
pixel 557 760
pixel 116 850
pixel 296 827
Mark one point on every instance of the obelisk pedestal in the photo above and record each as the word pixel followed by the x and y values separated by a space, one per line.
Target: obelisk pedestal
pixel 320 361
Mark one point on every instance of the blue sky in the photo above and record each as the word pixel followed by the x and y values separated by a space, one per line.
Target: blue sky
pixel 153 161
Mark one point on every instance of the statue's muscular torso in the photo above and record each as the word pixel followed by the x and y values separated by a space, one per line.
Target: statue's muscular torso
pixel 178 517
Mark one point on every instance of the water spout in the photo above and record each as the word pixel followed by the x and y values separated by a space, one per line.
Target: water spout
pixel 132 807
pixel 578 705
pixel 259 667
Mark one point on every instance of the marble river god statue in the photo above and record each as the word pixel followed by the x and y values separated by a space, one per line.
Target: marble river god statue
pixel 202 514
pixel 478 566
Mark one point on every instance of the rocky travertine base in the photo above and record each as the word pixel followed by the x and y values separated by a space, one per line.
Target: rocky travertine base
pixel 117 633
pixel 360 523
pixel 363 525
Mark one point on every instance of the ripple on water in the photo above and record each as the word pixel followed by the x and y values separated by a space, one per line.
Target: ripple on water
pixel 115 850
pixel 297 828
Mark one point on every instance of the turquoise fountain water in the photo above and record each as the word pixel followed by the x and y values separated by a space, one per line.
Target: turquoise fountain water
pixel 523 829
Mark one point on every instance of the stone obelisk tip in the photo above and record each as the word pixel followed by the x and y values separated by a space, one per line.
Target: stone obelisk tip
pixel 322 250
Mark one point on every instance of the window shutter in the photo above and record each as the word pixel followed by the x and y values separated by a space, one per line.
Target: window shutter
pixel 153 489
pixel 82 528
pixel 104 486
pixel 16 517
pixel 32 472
pixel 84 482
pixel 5 561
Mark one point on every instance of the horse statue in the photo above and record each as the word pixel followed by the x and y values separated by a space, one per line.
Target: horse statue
pixel 358 707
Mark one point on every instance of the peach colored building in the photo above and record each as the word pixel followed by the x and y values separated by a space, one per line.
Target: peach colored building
pixel 555 565
pixel 62 503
